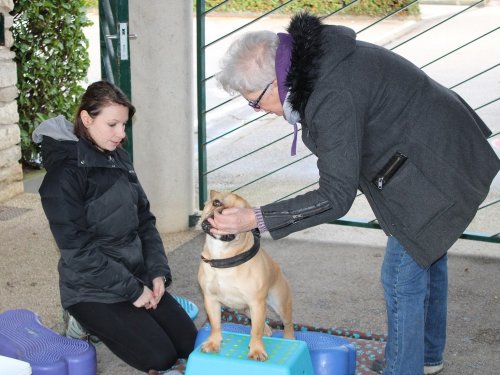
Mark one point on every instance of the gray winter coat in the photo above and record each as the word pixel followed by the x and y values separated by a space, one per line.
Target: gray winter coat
pixel 379 124
pixel 100 218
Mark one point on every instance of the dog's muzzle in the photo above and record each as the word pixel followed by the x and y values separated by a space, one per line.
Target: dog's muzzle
pixel 206 226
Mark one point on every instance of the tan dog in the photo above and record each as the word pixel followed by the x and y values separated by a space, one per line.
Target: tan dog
pixel 248 286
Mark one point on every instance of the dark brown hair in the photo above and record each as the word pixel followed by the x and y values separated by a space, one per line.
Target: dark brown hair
pixel 98 95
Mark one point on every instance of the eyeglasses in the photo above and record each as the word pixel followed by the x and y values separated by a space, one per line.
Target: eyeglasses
pixel 255 103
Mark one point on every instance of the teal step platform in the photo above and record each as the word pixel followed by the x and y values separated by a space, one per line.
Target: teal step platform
pixel 286 357
pixel 330 355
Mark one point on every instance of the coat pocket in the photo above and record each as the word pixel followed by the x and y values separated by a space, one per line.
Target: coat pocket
pixel 386 173
pixel 412 199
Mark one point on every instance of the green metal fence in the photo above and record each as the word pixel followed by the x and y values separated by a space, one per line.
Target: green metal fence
pixel 216 167
pixel 115 55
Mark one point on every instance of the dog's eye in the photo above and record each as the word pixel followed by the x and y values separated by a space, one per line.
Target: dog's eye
pixel 217 203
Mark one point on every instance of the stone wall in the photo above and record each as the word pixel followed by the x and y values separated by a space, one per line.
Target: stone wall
pixel 11 173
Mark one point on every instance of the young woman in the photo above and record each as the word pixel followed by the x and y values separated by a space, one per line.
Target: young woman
pixel 113 269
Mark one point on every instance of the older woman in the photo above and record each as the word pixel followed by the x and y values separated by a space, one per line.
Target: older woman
pixel 379 124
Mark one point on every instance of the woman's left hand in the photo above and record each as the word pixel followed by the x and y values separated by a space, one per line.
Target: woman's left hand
pixel 158 288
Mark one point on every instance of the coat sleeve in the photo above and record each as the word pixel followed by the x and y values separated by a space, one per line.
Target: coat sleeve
pixel 334 128
pixel 63 199
pixel 152 246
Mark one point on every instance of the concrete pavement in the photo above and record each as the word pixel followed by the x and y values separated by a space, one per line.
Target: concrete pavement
pixel 333 272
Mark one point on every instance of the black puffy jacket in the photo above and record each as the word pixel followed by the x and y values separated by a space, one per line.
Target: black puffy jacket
pixel 100 218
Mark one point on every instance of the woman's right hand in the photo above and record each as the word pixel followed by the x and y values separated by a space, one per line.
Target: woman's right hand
pixel 146 299
pixel 232 221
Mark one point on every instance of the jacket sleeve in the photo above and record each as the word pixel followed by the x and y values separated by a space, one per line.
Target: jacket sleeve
pixel 152 246
pixel 333 127
pixel 63 199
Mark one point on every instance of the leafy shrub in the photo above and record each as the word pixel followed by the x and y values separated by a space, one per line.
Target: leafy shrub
pixel 52 61
pixel 91 3
pixel 321 7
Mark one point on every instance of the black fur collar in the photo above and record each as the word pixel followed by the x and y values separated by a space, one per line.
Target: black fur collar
pixel 305 30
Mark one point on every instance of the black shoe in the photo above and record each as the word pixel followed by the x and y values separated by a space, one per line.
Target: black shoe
pixel 378 365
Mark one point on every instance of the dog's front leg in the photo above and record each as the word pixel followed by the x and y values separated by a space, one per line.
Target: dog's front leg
pixel 258 316
pixel 213 307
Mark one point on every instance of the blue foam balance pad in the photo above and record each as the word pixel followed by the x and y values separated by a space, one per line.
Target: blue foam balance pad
pixel 23 337
pixel 188 306
pixel 285 357
pixel 330 355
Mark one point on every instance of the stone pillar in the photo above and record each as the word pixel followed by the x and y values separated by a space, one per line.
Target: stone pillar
pixel 161 60
pixel 11 173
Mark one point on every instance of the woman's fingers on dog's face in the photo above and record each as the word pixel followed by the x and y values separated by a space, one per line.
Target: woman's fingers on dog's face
pixel 217 222
pixel 213 226
pixel 223 222
pixel 217 215
pixel 222 216
pixel 230 211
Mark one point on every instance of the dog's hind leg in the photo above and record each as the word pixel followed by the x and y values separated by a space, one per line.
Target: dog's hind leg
pixel 267 330
pixel 280 299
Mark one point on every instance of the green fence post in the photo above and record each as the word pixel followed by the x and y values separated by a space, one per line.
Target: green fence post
pixel 202 131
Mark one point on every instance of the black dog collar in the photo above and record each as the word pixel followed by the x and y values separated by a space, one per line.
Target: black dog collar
pixel 237 259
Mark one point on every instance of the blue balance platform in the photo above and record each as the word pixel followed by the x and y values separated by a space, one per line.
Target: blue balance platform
pixel 188 306
pixel 23 337
pixel 286 357
pixel 330 355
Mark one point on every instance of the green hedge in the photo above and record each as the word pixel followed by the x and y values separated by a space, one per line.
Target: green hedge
pixel 52 61
pixel 321 7
pixel 91 3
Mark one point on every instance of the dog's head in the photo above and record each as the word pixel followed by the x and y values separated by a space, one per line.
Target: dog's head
pixel 220 201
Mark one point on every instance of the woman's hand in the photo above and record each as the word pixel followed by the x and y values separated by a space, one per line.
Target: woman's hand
pixel 233 220
pixel 146 300
pixel 158 288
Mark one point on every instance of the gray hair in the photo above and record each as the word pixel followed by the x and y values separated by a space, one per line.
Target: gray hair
pixel 248 64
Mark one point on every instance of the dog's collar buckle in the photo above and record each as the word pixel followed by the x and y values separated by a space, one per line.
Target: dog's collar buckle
pixel 237 259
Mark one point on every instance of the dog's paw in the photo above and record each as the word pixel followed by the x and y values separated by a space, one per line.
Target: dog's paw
pixel 210 346
pixel 257 353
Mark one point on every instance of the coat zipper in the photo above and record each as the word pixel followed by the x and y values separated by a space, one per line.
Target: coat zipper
pixel 324 206
pixel 386 173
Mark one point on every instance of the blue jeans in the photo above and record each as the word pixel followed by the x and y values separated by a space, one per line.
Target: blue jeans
pixel 416 301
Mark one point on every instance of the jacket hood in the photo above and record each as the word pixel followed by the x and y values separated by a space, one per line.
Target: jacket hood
pixel 314 45
pixel 57 139
pixel 57 128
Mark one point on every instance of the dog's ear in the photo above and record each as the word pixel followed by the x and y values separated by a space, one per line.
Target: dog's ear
pixel 213 193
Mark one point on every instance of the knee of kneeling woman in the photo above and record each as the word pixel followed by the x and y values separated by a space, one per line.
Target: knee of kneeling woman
pixel 184 344
pixel 162 361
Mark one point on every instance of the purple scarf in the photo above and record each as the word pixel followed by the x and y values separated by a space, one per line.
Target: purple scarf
pixel 282 64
